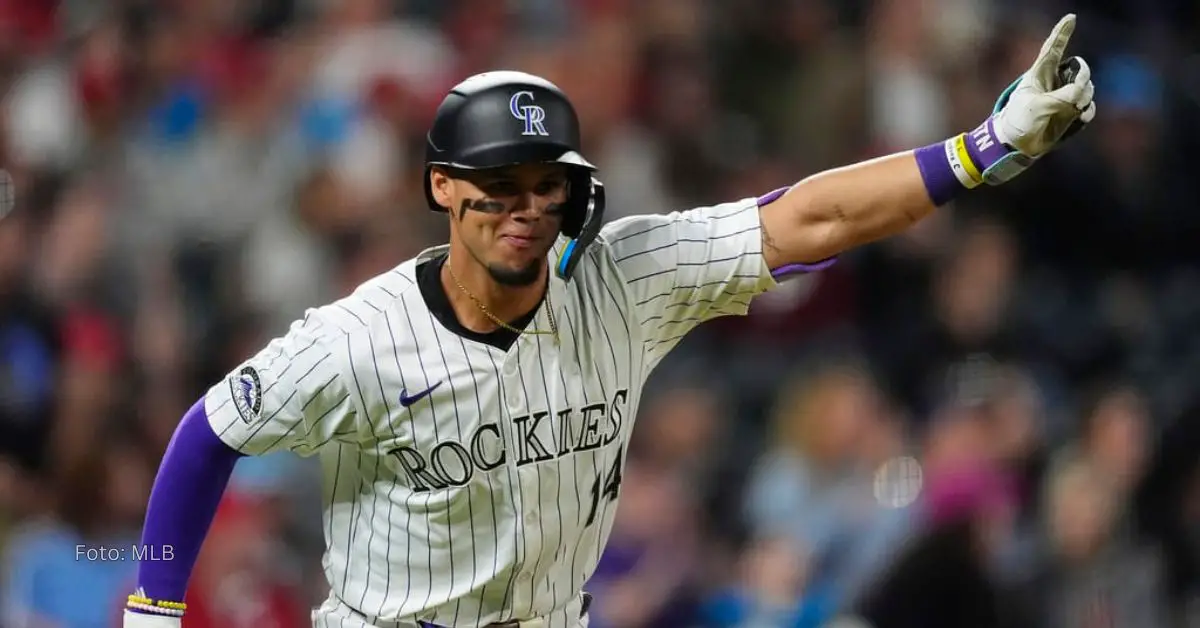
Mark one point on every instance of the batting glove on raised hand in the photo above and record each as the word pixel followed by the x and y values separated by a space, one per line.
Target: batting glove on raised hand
pixel 1046 105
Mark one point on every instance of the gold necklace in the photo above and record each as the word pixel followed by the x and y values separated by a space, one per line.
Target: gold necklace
pixel 495 319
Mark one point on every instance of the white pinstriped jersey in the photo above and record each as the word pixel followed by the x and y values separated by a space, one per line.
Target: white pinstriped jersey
pixel 465 484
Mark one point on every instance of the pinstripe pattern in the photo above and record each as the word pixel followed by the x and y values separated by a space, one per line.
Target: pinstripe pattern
pixel 492 497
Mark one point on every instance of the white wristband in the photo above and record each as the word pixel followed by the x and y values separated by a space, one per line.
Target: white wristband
pixel 956 165
pixel 146 620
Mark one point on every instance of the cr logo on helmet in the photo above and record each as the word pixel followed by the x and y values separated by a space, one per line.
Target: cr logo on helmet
pixel 531 115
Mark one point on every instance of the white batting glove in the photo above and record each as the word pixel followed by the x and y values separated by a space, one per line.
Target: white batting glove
pixel 147 620
pixel 1050 102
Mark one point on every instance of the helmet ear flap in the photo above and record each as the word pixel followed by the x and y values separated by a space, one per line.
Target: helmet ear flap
pixel 579 183
pixel 428 183
pixel 589 218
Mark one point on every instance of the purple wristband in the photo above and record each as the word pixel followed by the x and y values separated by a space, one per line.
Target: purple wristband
pixel 183 502
pixel 940 182
pixel 984 149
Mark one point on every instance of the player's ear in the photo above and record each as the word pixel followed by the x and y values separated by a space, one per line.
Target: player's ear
pixel 442 187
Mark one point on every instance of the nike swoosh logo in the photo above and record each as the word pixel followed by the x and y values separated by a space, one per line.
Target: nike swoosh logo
pixel 407 400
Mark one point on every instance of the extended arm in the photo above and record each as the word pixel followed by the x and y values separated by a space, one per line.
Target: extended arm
pixel 842 208
pixel 191 480
pixel 287 397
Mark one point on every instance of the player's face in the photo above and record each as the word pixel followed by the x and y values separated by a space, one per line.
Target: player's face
pixel 508 218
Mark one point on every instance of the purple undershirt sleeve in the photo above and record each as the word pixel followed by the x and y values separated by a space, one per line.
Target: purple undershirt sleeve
pixel 190 482
pixel 788 270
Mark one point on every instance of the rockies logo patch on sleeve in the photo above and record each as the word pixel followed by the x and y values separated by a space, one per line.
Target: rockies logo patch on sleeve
pixel 246 389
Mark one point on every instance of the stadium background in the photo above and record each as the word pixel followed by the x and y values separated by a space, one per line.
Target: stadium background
pixel 191 174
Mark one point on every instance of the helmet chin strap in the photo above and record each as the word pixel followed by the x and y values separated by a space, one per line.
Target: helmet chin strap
pixel 567 261
pixel 593 219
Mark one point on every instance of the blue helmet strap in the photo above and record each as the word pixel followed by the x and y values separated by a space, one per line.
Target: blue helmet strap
pixel 584 231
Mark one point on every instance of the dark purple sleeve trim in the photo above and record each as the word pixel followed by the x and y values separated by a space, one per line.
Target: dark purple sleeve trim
pixel 183 502
pixel 788 270
pixel 792 269
pixel 772 196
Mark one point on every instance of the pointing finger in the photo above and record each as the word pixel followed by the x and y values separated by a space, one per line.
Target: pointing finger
pixel 1046 67
pixel 1056 44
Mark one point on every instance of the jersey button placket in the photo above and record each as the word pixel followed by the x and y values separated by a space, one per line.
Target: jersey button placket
pixel 510 371
pixel 527 484
pixel 514 404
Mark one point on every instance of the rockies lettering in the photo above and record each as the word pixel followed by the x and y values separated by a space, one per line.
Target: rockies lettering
pixel 541 437
pixel 464 483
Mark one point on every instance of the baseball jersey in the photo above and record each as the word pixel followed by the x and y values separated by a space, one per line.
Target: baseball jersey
pixel 466 483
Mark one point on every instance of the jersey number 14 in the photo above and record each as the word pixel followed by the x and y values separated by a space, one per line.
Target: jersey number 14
pixel 607 485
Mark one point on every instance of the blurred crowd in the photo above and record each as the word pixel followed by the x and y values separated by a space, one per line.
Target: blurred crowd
pixel 191 174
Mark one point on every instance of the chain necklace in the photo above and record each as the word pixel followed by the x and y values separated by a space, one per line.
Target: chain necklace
pixel 553 331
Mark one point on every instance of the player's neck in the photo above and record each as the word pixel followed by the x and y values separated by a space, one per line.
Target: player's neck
pixel 506 303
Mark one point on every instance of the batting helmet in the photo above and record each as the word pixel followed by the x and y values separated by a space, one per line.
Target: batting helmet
pixel 504 118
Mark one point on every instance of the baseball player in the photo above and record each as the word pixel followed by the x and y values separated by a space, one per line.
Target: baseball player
pixel 471 407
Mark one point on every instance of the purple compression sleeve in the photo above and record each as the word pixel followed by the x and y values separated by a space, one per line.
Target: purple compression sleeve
pixel 183 502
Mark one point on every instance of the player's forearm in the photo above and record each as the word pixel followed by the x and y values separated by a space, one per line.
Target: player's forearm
pixel 190 482
pixel 839 209
pixel 846 207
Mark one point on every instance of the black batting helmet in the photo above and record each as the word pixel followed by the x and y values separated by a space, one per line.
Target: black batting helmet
pixel 505 118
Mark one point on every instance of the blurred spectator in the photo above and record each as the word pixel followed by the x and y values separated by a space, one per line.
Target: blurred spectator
pixel 646 574
pixel 682 434
pixel 30 348
pixel 1094 573
pixel 943 576
pixel 771 591
pixel 1167 511
pixel 937 581
pixel 965 317
pixel 65 569
pixel 1115 436
pixel 814 486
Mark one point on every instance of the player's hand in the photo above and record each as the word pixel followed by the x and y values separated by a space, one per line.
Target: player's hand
pixel 1047 104
pixel 146 620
